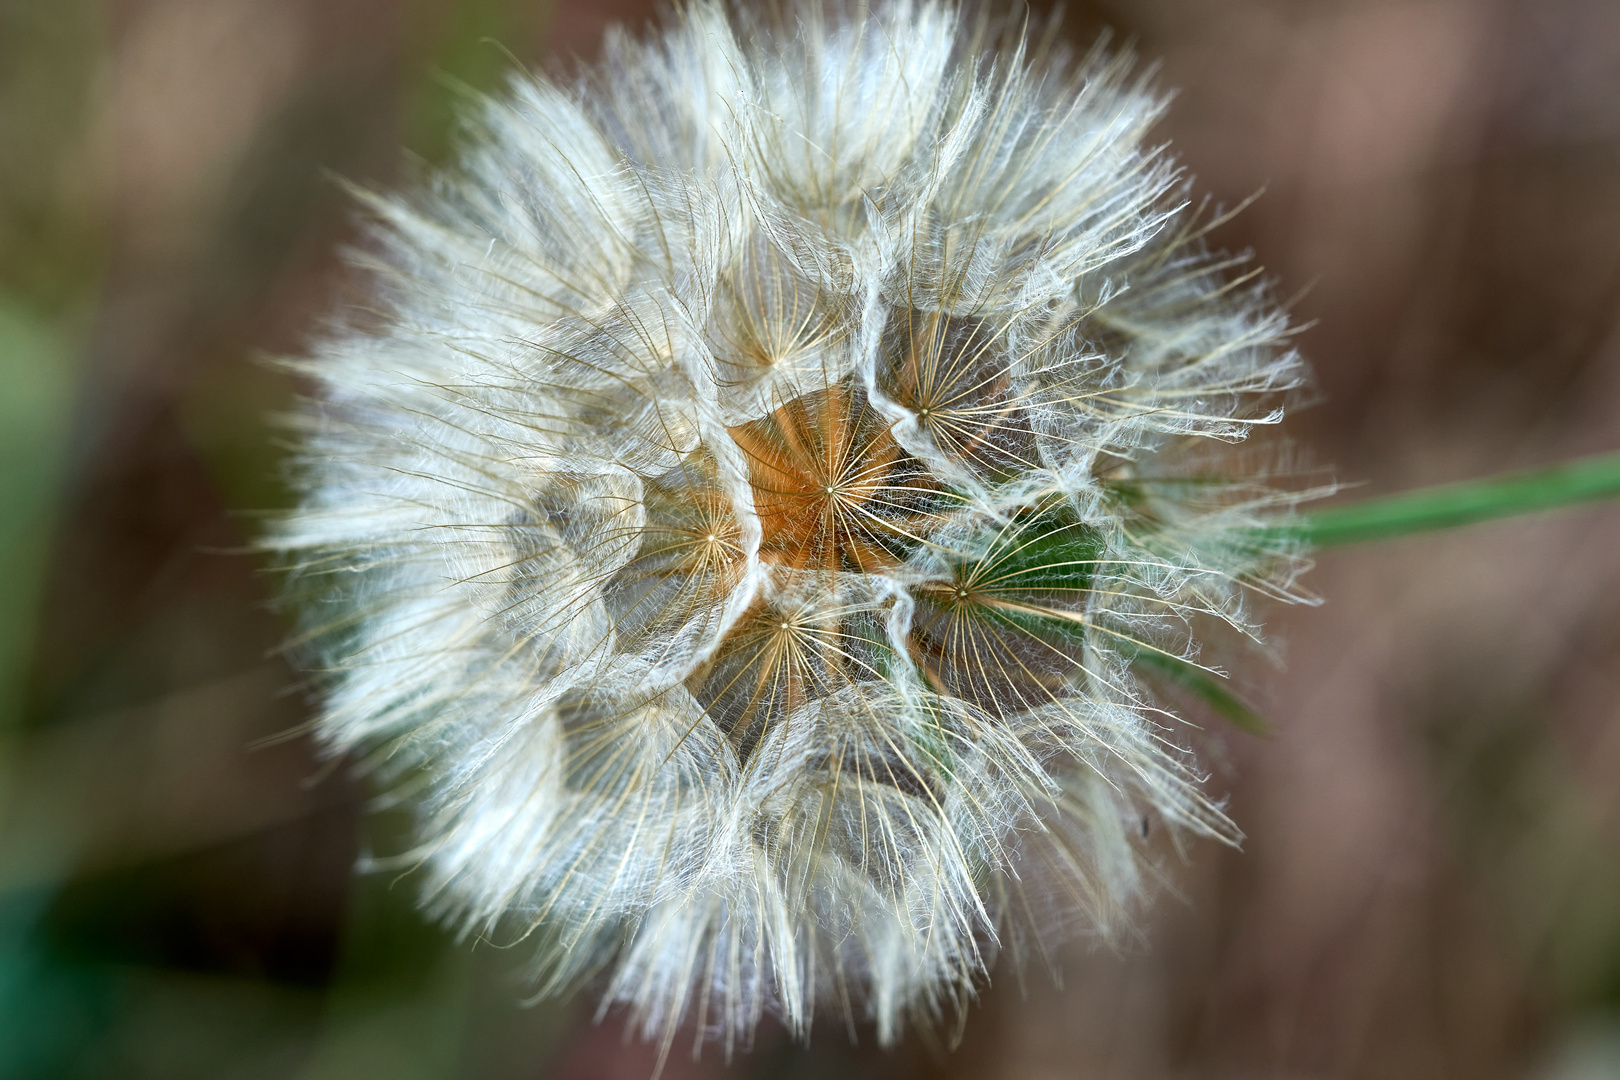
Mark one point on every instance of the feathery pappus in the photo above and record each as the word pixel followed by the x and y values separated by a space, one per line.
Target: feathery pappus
pixel 755 511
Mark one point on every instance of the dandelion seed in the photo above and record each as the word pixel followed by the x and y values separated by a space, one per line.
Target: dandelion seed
pixel 750 513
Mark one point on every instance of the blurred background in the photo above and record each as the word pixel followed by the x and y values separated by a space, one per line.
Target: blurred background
pixel 1431 884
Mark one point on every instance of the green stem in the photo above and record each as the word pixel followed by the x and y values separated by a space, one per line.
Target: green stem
pixel 1450 505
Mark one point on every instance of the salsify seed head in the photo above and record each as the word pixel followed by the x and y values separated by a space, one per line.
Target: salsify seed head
pixel 746 512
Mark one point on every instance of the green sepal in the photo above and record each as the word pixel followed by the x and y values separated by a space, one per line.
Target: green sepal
pixel 1206 687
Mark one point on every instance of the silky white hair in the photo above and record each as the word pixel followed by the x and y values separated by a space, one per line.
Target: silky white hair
pixel 755 510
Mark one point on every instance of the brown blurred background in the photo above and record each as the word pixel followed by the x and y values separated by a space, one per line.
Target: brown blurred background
pixel 1431 885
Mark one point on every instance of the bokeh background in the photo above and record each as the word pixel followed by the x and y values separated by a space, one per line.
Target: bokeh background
pixel 1431 884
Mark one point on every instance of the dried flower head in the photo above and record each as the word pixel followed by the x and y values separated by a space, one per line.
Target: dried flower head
pixel 773 467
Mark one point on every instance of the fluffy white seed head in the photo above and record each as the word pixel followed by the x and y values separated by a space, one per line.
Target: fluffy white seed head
pixel 750 513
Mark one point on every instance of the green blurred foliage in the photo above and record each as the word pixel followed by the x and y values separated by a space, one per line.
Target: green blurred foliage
pixel 108 963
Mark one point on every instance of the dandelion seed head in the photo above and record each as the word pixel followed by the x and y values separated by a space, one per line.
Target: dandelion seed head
pixel 773 458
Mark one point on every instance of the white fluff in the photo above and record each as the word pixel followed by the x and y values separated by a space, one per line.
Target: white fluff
pixel 771 460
